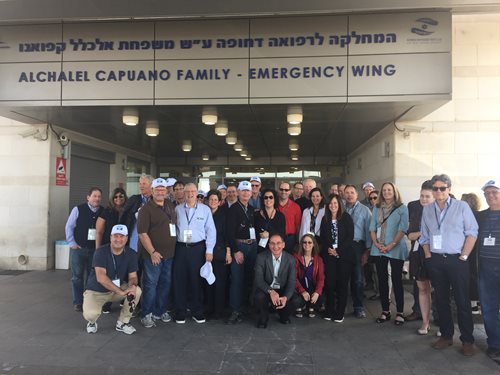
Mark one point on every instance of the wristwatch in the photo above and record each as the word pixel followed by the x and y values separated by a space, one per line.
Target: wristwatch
pixel 463 257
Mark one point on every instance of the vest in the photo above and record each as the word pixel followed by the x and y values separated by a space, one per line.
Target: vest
pixel 86 219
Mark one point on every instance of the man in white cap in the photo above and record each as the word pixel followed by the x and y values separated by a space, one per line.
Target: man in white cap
pixel 157 235
pixel 367 187
pixel 255 198
pixel 489 266
pixel 241 238
pixel 113 278
pixel 170 191
pixel 223 193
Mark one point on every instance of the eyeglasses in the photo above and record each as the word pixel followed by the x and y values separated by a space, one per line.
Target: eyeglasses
pixel 119 196
pixel 307 242
pixel 284 189
pixel 373 198
pixel 200 196
pixel 255 185
pixel 268 197
pixel 440 188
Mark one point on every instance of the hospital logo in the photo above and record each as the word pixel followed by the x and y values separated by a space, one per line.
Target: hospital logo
pixel 424 26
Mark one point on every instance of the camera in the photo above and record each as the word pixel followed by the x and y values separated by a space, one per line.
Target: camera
pixel 131 302
pixel 63 138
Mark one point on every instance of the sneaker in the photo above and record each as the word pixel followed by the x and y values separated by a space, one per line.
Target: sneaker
pixel 91 327
pixel 106 308
pixel 165 317
pixel 234 318
pixel 298 313
pixel 199 319
pixel 360 314
pixel 327 317
pixel 180 319
pixel 148 321
pixel 311 313
pixel 338 320
pixel 476 310
pixel 124 327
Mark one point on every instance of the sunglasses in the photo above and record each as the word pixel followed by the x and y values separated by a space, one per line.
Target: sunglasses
pixel 255 185
pixel 268 197
pixel 307 242
pixel 119 196
pixel 200 196
pixel 440 188
pixel 284 189
pixel 373 198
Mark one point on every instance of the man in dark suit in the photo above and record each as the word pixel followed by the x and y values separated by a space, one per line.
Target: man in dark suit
pixel 274 282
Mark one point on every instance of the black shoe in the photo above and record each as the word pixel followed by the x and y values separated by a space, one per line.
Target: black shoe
pixel 234 318
pixel 285 320
pixel 262 324
pixel 78 307
pixel 106 308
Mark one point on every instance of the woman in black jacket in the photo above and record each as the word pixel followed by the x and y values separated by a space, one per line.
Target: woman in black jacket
pixel 337 233
pixel 268 220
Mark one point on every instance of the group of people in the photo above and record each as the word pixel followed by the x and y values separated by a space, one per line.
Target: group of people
pixel 293 251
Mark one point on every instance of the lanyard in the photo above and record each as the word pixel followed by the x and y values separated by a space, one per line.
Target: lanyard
pixel 440 221
pixel 351 211
pixel 186 212
pixel 245 210
pixel 114 264
pixel 163 208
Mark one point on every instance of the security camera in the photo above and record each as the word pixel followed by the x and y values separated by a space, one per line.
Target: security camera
pixel 63 138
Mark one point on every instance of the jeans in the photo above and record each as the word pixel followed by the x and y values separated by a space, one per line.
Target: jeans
pixel 489 285
pixel 81 266
pixel 242 276
pixel 357 277
pixel 449 271
pixel 157 281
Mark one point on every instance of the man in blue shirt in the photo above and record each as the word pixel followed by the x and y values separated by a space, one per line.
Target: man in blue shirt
pixel 489 266
pixel 80 235
pixel 448 233
pixel 196 237
pixel 255 198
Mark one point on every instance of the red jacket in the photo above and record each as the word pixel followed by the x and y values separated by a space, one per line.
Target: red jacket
pixel 318 273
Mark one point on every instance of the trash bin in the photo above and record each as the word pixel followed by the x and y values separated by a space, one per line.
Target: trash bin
pixel 62 255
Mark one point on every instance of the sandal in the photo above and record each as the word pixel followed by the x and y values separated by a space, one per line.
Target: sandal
pixel 399 320
pixel 312 314
pixel 298 313
pixel 384 317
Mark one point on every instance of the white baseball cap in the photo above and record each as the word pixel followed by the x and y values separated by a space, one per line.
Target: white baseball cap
pixel 245 185
pixel 171 181
pixel 255 178
pixel 201 192
pixel 491 183
pixel 368 184
pixel 220 187
pixel 158 182
pixel 207 272
pixel 119 229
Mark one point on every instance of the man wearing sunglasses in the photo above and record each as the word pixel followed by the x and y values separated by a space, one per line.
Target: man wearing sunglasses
pixel 448 233
pixel 293 216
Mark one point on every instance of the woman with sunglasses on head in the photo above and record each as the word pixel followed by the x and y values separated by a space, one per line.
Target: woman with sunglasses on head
pixel 268 220
pixel 105 222
pixel 312 216
pixel 337 234
pixel 387 229
pixel 310 277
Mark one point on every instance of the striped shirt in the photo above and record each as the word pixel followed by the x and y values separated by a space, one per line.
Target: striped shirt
pixel 490 227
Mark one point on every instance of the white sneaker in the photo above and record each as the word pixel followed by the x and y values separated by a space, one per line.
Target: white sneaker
pixel 148 321
pixel 165 317
pixel 91 327
pixel 124 327
pixel 338 320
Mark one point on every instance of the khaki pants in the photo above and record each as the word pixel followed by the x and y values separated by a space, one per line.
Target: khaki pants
pixel 93 302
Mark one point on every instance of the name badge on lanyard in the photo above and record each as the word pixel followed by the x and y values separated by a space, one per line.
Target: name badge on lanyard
pixel 117 282
pixel 489 241
pixel 252 233
pixel 173 231
pixel 437 242
pixel 263 242
pixel 188 236
pixel 91 234
pixel 379 233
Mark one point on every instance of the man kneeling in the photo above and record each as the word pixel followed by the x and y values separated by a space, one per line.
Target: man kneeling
pixel 274 282
pixel 113 278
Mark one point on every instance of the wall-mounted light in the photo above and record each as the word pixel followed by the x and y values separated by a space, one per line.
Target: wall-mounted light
pixel 238 146
pixel 187 145
pixel 294 114
pixel 205 157
pixel 209 115
pixel 294 156
pixel 244 152
pixel 294 129
pixel 231 138
pixel 221 128
pixel 130 116
pixel 293 145
pixel 152 128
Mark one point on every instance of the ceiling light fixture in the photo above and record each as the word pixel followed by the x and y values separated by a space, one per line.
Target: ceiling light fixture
pixel 294 156
pixel 244 152
pixel 209 115
pixel 231 138
pixel 293 145
pixel 152 128
pixel 187 145
pixel 238 146
pixel 294 114
pixel 221 128
pixel 248 157
pixel 294 129
pixel 205 157
pixel 130 116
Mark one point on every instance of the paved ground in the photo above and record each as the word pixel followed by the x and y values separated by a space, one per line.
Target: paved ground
pixel 41 334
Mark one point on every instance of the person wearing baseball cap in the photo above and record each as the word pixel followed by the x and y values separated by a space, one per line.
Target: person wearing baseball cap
pixel 489 266
pixel 170 183
pixel 241 238
pixel 223 193
pixel 367 188
pixel 113 278
pixel 256 184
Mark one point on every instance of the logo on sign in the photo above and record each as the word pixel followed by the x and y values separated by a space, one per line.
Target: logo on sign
pixel 425 26
pixel 4 45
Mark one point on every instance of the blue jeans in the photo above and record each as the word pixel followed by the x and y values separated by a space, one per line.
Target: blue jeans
pixel 157 281
pixel 357 277
pixel 489 285
pixel 242 276
pixel 81 266
pixel 449 272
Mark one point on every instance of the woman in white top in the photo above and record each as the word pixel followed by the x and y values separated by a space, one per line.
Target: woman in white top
pixel 312 216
